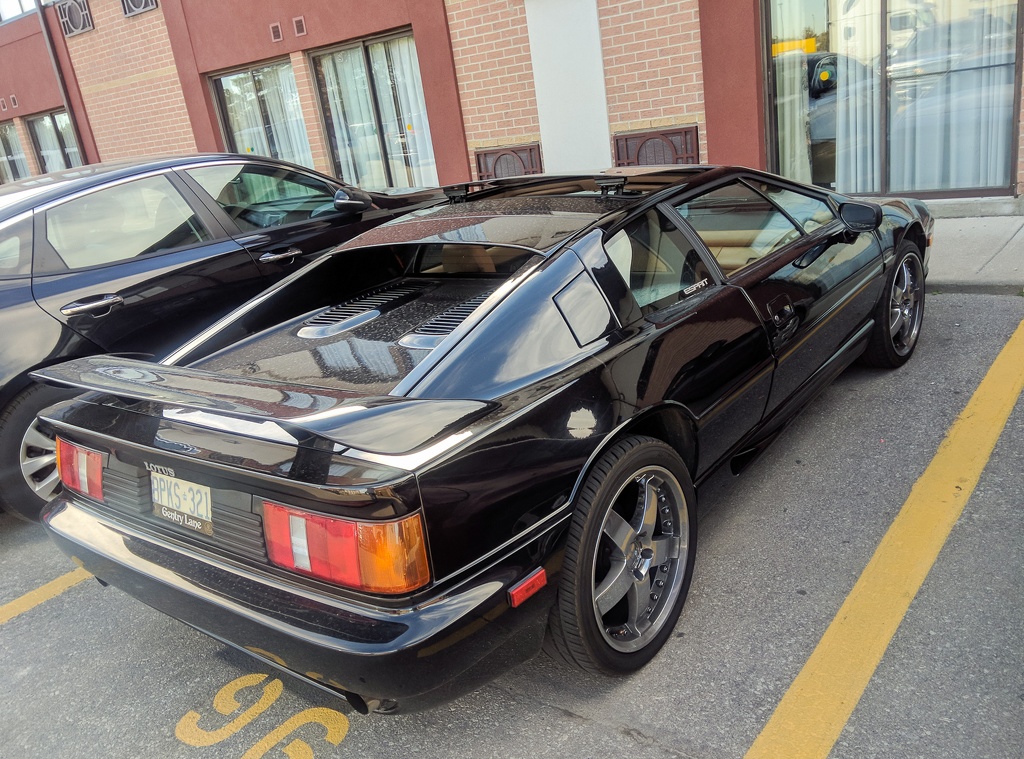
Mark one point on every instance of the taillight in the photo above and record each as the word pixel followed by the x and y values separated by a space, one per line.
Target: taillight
pixel 378 557
pixel 81 469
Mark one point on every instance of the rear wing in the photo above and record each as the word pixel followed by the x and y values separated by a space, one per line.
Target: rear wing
pixel 379 424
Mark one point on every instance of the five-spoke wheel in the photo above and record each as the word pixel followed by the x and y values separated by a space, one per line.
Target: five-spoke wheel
pixel 629 558
pixel 900 312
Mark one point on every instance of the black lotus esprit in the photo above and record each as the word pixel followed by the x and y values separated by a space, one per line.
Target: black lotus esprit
pixel 397 471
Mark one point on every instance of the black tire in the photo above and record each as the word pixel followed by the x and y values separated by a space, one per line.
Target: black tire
pixel 628 559
pixel 19 435
pixel 900 311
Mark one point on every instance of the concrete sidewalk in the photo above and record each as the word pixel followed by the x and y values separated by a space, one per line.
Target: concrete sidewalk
pixel 977 245
pixel 978 255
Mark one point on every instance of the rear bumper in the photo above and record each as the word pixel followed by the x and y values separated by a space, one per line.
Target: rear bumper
pixel 417 657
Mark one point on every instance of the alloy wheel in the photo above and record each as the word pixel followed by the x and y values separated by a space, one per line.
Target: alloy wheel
pixel 640 562
pixel 39 462
pixel 905 305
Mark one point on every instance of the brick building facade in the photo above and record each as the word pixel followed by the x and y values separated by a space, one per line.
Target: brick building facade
pixel 414 91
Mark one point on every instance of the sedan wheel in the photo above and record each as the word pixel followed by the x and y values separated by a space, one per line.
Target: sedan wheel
pixel 629 559
pixel 39 462
pixel 28 456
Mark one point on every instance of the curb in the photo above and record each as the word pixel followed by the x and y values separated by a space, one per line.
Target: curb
pixel 972 288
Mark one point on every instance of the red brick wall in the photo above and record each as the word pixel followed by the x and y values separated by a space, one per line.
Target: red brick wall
pixel 491 48
pixel 129 83
pixel 652 65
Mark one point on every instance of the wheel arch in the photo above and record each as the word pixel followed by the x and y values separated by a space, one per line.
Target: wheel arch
pixel 670 422
pixel 914 233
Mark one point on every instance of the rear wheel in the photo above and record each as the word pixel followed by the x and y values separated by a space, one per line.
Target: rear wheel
pixel 900 312
pixel 28 456
pixel 628 559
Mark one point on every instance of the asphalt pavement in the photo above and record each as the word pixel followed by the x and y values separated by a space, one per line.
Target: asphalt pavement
pixel 91 672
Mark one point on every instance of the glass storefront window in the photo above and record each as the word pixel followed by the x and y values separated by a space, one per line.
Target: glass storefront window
pixel 263 115
pixel 54 141
pixel 13 8
pixel 920 103
pixel 373 105
pixel 12 158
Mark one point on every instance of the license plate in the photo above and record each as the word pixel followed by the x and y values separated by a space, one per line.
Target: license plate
pixel 182 502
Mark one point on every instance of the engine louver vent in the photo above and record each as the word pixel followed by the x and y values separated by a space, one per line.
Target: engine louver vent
pixel 445 324
pixel 355 312
pixel 430 333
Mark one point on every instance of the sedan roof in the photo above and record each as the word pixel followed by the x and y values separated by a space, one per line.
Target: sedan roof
pixel 25 194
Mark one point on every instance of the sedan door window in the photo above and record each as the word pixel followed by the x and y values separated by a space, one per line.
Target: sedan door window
pixel 658 263
pixel 128 220
pixel 738 225
pixel 258 197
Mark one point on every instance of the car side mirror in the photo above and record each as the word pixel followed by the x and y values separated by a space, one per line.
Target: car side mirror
pixel 352 200
pixel 859 216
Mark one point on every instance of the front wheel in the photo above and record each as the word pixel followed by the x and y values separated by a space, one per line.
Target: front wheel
pixel 900 312
pixel 628 559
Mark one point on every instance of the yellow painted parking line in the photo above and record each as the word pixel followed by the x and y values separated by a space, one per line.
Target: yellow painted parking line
pixel 811 715
pixel 33 598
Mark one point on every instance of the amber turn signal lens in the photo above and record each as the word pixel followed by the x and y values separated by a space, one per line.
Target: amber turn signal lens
pixel 376 557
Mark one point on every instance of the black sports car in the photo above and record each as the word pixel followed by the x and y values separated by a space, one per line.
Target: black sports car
pixel 139 256
pixel 397 471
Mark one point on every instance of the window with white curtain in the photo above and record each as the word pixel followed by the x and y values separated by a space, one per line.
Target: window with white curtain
pixel 54 141
pixel 12 158
pixel 263 115
pixel 13 8
pixel 895 95
pixel 376 117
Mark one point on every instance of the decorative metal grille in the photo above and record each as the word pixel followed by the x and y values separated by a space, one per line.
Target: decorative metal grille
pixel 657 148
pixel 135 7
pixel 74 17
pixel 509 162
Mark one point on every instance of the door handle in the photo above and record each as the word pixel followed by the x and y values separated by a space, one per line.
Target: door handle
pixel 269 258
pixel 104 303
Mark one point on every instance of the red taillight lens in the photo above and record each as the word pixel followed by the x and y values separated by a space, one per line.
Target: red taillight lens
pixel 81 469
pixel 378 557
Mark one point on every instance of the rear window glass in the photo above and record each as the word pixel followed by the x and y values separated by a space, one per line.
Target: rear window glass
pixel 469 260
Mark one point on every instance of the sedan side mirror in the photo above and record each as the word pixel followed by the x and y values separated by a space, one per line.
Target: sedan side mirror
pixel 861 217
pixel 352 200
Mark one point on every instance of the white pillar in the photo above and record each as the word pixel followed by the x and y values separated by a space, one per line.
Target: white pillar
pixel 568 72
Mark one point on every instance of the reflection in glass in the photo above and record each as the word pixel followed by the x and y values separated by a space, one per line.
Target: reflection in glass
pixel 264 115
pixel 951 95
pixel 944 86
pixel 55 141
pixel 12 158
pixel 376 114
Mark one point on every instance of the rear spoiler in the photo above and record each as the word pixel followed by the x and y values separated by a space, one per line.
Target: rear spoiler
pixel 379 424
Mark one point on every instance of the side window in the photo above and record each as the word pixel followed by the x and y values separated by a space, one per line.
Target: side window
pixel 257 197
pixel 810 213
pixel 738 225
pixel 656 260
pixel 16 247
pixel 132 219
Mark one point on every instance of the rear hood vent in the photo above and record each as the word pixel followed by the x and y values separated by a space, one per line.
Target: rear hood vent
pixel 432 332
pixel 355 312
